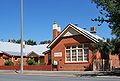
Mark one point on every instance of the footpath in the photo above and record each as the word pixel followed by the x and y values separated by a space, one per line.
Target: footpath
pixel 62 73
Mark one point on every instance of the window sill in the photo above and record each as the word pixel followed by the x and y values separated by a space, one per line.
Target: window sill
pixel 84 62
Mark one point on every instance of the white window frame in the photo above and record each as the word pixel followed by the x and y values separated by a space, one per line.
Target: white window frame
pixel 76 53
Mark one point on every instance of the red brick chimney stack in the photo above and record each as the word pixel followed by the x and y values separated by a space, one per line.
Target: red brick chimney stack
pixel 56 30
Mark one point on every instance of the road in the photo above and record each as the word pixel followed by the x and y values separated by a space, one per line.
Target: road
pixel 19 77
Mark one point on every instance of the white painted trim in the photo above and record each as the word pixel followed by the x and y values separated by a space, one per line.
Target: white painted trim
pixel 75 61
pixel 79 30
pixel 70 54
pixel 57 37
pixel 76 54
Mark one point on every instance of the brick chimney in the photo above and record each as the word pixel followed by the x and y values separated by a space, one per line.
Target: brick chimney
pixel 93 30
pixel 56 30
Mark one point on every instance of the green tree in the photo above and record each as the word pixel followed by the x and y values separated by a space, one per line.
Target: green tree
pixel 105 48
pixel 116 43
pixel 18 41
pixel 12 40
pixel 45 42
pixel 110 11
pixel 30 42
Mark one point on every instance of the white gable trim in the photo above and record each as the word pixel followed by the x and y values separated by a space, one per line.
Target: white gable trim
pixel 79 30
pixel 58 36
pixel 83 33
pixel 70 32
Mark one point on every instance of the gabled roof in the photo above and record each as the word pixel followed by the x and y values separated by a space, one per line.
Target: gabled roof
pixel 33 54
pixel 14 49
pixel 6 54
pixel 81 31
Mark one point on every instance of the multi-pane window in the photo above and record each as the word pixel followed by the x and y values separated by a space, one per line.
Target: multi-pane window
pixel 68 58
pixel 80 55
pixel 86 54
pixel 77 53
pixel 74 55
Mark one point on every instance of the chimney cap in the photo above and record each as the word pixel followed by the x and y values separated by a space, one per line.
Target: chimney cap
pixel 55 26
pixel 59 28
pixel 55 22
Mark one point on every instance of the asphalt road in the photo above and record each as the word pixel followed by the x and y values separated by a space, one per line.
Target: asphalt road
pixel 18 77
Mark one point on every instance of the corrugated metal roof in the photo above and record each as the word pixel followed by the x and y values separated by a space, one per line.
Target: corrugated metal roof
pixel 14 49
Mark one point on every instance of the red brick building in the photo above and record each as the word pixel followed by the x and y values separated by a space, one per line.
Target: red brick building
pixel 70 49
pixel 11 51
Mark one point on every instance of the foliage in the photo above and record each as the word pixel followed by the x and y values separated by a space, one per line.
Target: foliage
pixel 110 11
pixel 8 63
pixel 45 42
pixel 104 48
pixel 30 62
pixel 12 40
pixel 116 43
pixel 30 42
pixel 18 41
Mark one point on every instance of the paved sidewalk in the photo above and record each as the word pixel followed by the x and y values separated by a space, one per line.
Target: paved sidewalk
pixel 47 72
pixel 59 73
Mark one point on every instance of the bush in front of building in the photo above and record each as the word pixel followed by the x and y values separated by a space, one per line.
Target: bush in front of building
pixel 31 62
pixel 8 63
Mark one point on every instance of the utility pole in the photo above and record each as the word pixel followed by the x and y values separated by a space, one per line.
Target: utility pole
pixel 21 27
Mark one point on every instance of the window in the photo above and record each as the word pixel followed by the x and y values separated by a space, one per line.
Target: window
pixel 74 55
pixel 68 55
pixel 80 55
pixel 85 54
pixel 77 53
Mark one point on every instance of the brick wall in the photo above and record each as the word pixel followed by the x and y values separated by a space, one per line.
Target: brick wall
pixel 114 60
pixel 60 47
pixel 30 67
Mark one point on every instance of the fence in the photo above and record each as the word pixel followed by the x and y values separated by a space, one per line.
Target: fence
pixel 105 65
pixel 28 67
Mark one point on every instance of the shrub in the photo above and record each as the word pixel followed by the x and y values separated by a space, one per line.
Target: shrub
pixel 8 63
pixel 30 62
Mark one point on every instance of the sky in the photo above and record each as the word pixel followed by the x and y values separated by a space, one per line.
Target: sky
pixel 39 16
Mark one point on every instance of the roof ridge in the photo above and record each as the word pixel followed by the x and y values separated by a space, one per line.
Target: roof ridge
pixel 85 31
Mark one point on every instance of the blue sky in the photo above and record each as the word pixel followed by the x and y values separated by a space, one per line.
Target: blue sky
pixel 39 16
